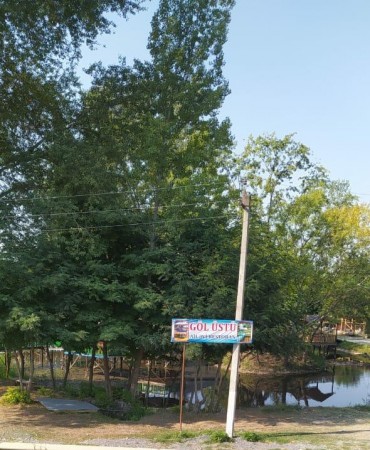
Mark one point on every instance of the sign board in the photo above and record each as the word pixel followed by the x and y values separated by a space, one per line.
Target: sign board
pixel 212 331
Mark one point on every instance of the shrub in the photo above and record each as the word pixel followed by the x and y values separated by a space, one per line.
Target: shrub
pixel 71 390
pixel 219 437
pixel 251 436
pixel 14 396
pixel 86 390
pixel 124 405
pixel 101 398
pixel 45 392
pixel 137 412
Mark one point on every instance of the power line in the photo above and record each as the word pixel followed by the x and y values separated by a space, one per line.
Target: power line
pixel 103 211
pixel 97 194
pixel 158 222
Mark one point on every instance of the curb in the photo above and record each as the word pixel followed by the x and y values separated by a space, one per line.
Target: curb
pixel 41 446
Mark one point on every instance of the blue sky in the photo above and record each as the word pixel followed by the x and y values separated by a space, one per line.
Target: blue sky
pixel 294 66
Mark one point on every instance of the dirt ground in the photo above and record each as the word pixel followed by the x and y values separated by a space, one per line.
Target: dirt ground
pixel 339 428
pixel 290 428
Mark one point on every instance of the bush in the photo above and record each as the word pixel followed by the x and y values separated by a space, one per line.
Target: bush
pixel 100 398
pixel 71 390
pixel 219 437
pixel 45 392
pixel 85 390
pixel 14 396
pixel 251 436
pixel 124 405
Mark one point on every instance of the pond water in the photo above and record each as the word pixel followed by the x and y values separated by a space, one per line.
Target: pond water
pixel 342 386
pixel 345 385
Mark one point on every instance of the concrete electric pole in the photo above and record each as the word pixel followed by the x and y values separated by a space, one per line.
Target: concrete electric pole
pixel 231 406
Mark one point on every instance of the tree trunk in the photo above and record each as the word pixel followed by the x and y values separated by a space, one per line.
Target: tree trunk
pixel 51 365
pixel 68 367
pixel 196 396
pixel 91 369
pixel 148 384
pixel 130 369
pixel 21 362
pixel 19 369
pixel 8 361
pixel 136 370
pixel 108 386
pixel 286 361
pixel 32 369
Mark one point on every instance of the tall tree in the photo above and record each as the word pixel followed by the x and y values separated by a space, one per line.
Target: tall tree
pixel 41 43
pixel 162 116
pixel 308 241
pixel 146 149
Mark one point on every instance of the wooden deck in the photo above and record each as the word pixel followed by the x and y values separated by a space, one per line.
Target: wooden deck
pixel 325 343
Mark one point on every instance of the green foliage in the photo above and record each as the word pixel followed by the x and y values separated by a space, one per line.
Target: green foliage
pixel 305 233
pixel 133 408
pixel 219 437
pixel 354 347
pixel 251 436
pixel 12 371
pixel 281 407
pixel 45 392
pixel 174 436
pixel 133 218
pixel 85 390
pixel 137 409
pixel 101 399
pixel 137 412
pixel 15 396
pixel 175 409
pixel 365 407
pixel 39 93
pixel 315 360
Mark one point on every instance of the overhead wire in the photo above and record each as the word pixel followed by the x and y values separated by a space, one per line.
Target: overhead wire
pixel 102 211
pixel 97 194
pixel 107 211
pixel 101 227
pixel 153 223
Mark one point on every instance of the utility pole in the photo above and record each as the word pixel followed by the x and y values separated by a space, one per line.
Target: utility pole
pixel 231 406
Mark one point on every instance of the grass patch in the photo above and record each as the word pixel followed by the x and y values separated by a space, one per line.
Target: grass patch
pixel 364 408
pixel 357 352
pixel 45 392
pixel 355 347
pixel 281 408
pixel 319 440
pixel 218 437
pixel 174 409
pixel 168 437
pixel 251 436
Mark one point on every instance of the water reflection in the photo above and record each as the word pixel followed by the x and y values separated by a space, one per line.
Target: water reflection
pixel 348 376
pixel 344 386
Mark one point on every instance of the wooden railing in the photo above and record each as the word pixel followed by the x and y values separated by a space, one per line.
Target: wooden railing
pixel 324 339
